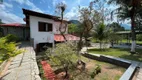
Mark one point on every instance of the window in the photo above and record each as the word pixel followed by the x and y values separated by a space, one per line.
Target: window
pixel 44 27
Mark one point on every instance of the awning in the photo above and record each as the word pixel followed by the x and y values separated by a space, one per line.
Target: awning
pixel 69 37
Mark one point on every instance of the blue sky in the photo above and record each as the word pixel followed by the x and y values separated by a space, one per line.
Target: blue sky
pixel 11 10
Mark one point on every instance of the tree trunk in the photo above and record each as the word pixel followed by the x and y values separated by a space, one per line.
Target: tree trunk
pixel 101 45
pixel 133 44
pixel 112 43
pixel 66 71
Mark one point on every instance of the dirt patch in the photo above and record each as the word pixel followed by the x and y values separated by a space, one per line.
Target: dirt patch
pixel 108 71
pixel 135 74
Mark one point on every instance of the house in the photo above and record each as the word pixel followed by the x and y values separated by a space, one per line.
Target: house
pixel 18 29
pixel 44 29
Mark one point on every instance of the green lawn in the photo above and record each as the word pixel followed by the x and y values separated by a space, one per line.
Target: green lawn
pixel 125 41
pixel 121 53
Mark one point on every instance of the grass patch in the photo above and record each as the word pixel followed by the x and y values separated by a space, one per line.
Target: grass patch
pixel 137 42
pixel 106 69
pixel 121 53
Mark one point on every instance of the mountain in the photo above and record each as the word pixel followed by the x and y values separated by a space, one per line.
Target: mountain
pixel 126 26
pixel 75 21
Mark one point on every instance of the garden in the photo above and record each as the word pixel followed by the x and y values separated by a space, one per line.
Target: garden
pixel 66 62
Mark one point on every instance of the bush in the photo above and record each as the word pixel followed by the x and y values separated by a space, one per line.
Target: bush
pixel 12 38
pixel 62 54
pixel 7 48
pixel 96 71
pixel 139 37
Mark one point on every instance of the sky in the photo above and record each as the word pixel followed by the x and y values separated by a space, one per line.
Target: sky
pixel 11 10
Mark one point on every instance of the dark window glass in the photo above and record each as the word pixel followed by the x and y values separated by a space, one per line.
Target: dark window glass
pixel 45 27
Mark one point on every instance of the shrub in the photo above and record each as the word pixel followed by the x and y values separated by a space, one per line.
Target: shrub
pixel 11 38
pixel 139 37
pixel 96 71
pixel 63 55
pixel 8 49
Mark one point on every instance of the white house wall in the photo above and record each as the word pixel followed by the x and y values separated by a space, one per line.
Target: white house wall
pixel 43 37
pixel 40 37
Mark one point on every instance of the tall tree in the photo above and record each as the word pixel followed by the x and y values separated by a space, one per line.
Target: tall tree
pixel 116 27
pixel 101 33
pixel 88 20
pixel 128 9
pixel 60 8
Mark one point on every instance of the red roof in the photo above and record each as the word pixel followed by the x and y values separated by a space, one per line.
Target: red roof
pixel 13 25
pixel 69 37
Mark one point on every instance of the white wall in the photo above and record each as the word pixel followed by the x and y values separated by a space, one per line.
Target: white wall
pixel 40 37
pixel 43 37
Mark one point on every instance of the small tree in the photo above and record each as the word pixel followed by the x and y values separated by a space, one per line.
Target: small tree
pixel 113 37
pixel 101 33
pixel 64 55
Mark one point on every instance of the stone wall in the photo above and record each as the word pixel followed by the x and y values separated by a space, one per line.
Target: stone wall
pixel 109 59
pixel 22 33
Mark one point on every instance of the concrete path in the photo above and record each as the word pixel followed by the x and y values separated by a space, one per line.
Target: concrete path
pixel 23 66
pixel 126 46
pixel 139 76
pixel 97 45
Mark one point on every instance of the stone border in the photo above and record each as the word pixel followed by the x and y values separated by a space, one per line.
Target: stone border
pixel 130 65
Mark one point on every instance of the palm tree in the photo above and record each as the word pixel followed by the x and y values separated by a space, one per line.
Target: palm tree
pixel 101 33
pixel 128 9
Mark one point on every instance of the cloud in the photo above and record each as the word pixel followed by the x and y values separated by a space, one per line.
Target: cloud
pixel 72 14
pixel 78 1
pixel 30 4
pixel 7 16
pixel 54 2
pixel 8 5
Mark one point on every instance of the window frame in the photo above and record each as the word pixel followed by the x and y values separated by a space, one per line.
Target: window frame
pixel 46 27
